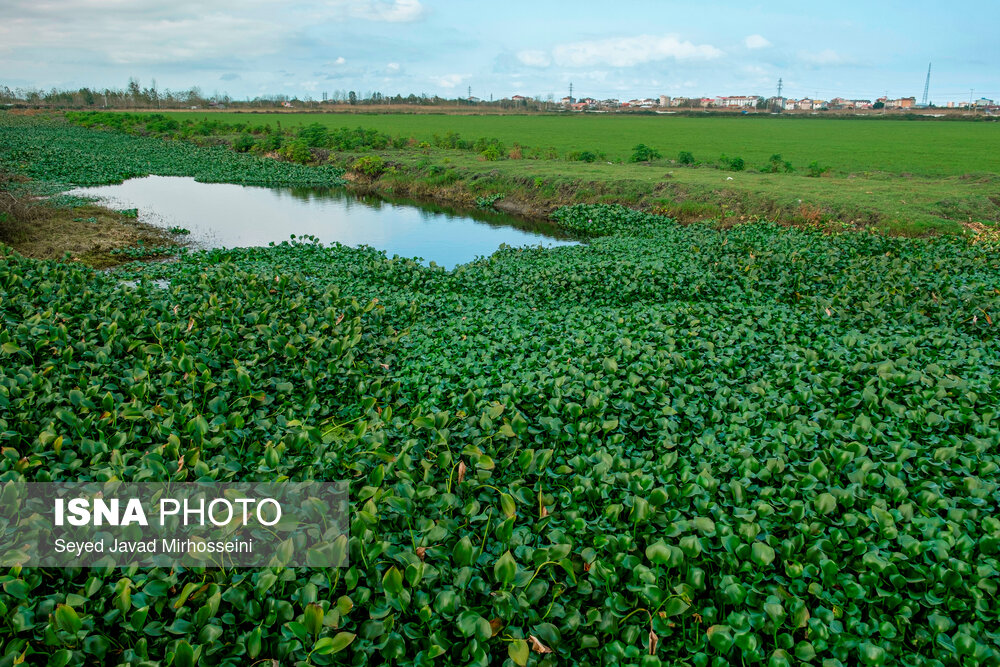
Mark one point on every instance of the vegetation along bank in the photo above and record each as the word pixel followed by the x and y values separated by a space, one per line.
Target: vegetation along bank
pixel 900 177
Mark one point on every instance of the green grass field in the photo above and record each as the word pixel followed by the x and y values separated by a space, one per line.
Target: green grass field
pixel 845 145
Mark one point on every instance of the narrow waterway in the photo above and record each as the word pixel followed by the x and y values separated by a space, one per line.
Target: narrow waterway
pixel 231 216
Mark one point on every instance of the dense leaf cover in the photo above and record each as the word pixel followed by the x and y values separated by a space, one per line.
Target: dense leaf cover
pixel 58 151
pixel 756 446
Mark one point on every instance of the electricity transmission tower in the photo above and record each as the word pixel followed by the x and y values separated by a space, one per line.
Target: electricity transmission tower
pixel 927 85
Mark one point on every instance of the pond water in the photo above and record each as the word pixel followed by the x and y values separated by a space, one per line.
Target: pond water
pixel 221 215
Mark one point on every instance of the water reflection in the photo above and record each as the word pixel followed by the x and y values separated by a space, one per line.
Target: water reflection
pixel 226 215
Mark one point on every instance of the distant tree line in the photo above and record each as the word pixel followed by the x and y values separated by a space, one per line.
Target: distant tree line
pixel 136 96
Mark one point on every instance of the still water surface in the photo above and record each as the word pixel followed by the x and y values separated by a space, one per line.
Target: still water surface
pixel 221 215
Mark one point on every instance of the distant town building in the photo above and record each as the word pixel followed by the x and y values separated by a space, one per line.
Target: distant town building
pixel 737 101
pixel 664 100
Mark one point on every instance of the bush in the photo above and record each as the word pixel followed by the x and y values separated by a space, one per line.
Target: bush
pixel 685 157
pixel 243 143
pixel 492 154
pixel 370 165
pixel 585 156
pixel 732 163
pixel 489 148
pixel 643 153
pixel 296 151
pixel 315 135
pixel 776 164
pixel 815 170
pixel 268 143
pixel 450 140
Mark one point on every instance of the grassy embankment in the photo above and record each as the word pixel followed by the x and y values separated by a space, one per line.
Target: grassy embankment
pixel 903 177
pixel 44 225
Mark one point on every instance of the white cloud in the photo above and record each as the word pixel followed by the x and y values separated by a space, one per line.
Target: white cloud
pixel 824 57
pixel 140 31
pixel 392 67
pixel 629 51
pixel 339 61
pixel 533 58
pixel 450 80
pixel 391 11
pixel 756 42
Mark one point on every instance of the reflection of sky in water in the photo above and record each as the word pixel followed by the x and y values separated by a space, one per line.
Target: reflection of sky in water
pixel 231 216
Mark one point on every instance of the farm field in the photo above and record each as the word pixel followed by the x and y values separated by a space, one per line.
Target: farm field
pixel 846 145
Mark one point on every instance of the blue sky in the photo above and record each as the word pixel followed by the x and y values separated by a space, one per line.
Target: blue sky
pixel 618 49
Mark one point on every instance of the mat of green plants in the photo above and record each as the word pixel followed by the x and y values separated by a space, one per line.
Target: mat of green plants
pixel 924 147
pixel 672 446
pixel 49 150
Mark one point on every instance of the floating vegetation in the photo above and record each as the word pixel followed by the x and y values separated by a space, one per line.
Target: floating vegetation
pixel 179 231
pixel 74 155
pixel 674 445
pixel 488 201
pixel 141 251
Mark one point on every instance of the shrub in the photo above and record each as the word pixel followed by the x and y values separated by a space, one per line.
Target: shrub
pixel 776 164
pixel 492 153
pixel 296 151
pixel 371 165
pixel 685 157
pixel 815 170
pixel 315 135
pixel 732 163
pixel 450 140
pixel 490 148
pixel 243 143
pixel 585 156
pixel 644 153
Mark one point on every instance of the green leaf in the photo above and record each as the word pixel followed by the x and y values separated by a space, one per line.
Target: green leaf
pixel 392 581
pixel 313 618
pixel 658 553
pixel 463 552
pixel 16 588
pixel 675 606
pixel 762 554
pixel 505 568
pixel 471 624
pixel 60 658
pixel 825 503
pixel 518 652
pixel 335 644
pixel 67 619
pixel 183 655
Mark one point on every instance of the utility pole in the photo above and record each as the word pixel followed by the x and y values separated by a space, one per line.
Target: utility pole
pixel 571 92
pixel 779 88
pixel 470 93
